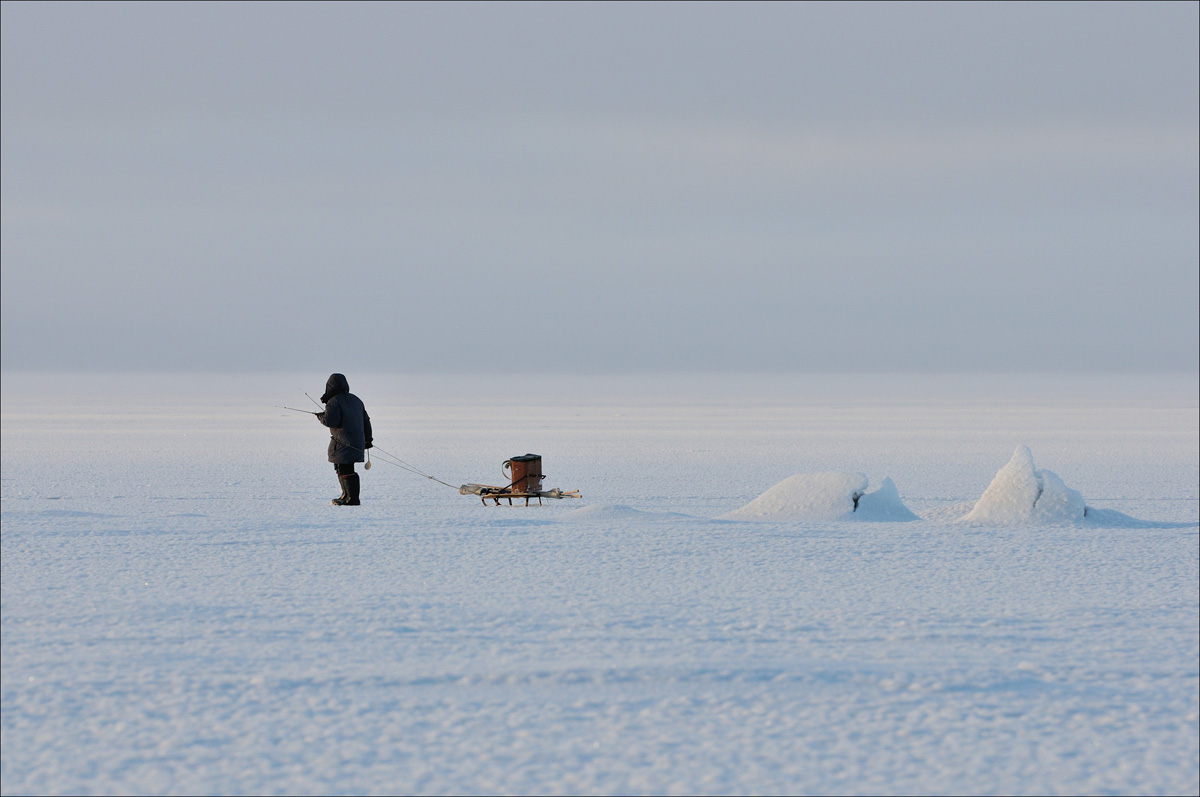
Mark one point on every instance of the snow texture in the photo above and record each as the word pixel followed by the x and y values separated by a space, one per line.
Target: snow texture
pixel 185 613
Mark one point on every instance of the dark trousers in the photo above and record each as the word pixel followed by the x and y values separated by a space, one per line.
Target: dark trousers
pixel 344 470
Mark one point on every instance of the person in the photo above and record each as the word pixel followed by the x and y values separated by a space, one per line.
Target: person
pixel 350 435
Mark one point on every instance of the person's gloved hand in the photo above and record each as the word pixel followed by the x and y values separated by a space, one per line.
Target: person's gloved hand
pixel 370 444
pixel 320 417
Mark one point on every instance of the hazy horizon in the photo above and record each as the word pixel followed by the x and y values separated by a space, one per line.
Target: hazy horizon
pixel 594 188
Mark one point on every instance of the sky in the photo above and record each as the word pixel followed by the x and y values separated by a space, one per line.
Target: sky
pixel 595 188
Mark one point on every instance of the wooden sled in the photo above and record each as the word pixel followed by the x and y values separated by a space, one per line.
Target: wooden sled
pixel 526 474
pixel 487 491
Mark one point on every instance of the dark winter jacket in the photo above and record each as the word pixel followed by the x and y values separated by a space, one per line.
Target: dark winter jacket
pixel 348 422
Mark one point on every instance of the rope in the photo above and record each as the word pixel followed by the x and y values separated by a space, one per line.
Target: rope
pixel 392 459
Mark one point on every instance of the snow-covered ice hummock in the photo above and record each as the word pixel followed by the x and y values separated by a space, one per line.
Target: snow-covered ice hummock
pixel 822 497
pixel 1021 494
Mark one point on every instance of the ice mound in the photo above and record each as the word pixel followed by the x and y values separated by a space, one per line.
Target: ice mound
pixel 826 497
pixel 883 505
pixel 1021 494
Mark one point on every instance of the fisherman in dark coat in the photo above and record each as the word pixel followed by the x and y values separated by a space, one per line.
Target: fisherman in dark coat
pixel 350 435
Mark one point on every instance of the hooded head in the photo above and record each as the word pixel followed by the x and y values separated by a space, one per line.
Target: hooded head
pixel 333 386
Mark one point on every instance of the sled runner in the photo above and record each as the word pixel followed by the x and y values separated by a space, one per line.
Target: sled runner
pixel 526 482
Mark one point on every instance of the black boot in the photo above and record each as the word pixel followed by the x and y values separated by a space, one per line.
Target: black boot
pixel 353 499
pixel 344 498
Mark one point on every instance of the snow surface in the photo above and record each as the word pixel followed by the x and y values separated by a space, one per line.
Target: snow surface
pixel 184 612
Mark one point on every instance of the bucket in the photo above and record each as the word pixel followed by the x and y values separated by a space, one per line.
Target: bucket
pixel 524 473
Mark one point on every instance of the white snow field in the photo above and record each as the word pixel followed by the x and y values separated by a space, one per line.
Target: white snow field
pixel 185 613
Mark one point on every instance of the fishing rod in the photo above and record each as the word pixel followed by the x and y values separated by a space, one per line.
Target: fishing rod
pixel 383 456
pixel 306 412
